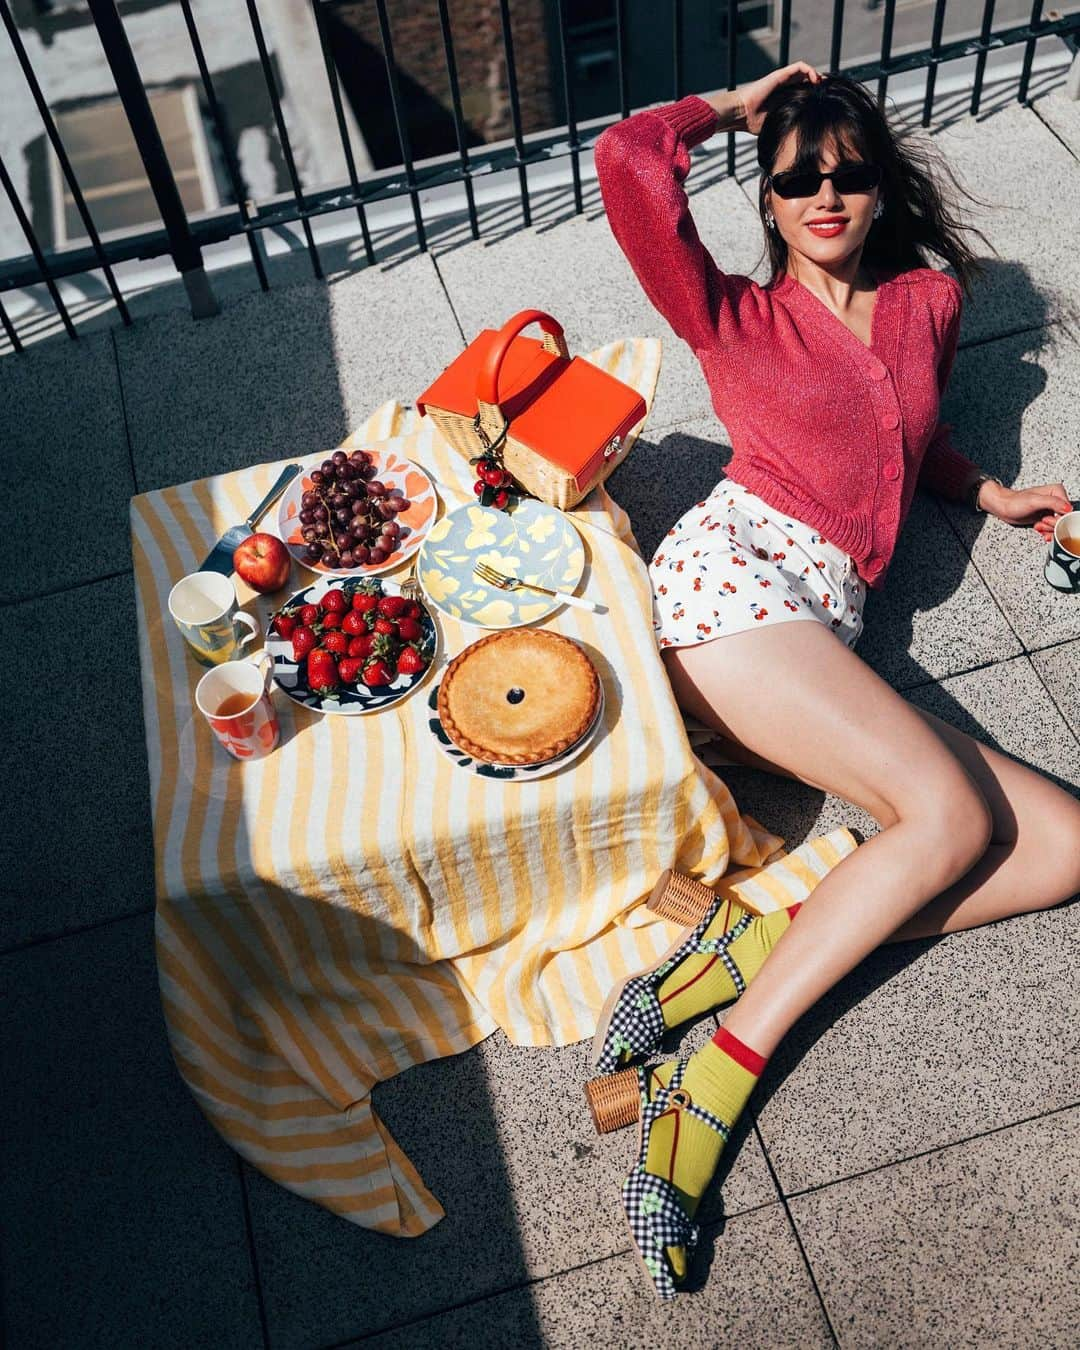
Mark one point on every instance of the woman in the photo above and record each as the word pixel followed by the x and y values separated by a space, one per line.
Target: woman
pixel 828 379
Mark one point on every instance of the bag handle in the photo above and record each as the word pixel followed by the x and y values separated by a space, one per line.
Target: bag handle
pixel 489 417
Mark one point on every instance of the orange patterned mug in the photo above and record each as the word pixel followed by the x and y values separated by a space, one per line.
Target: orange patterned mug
pixel 235 699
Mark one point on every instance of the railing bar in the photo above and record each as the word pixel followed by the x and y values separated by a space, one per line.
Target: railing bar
pixel 282 130
pixel 980 60
pixel 231 165
pixel 515 107
pixel 931 70
pixel 837 35
pixel 785 32
pixel 343 130
pixel 185 252
pixel 9 329
pixel 886 50
pixel 620 44
pixel 459 117
pixel 399 121
pixel 1029 51
pixel 62 156
pixel 677 47
pixel 732 61
pixel 571 111
pixel 35 249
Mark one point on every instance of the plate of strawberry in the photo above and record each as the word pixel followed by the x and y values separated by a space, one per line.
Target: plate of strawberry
pixel 350 646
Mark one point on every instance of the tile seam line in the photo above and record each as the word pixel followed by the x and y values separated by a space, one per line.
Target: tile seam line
pixel 449 300
pixel 1053 132
pixel 796 1234
pixel 253 1255
pixel 956 674
pixel 64 590
pixel 520 1285
pixel 1053 700
pixel 929 1152
pixel 16 947
pixel 124 412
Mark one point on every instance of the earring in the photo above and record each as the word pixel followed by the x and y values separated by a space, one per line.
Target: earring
pixel 770 220
pixel 879 208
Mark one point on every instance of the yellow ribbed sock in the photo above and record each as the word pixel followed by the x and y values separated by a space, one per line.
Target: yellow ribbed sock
pixel 703 981
pixel 683 1149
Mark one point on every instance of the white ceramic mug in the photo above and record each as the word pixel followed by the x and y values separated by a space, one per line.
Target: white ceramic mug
pixel 1062 567
pixel 235 699
pixel 205 609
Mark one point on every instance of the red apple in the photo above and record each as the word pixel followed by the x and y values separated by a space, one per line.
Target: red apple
pixel 263 562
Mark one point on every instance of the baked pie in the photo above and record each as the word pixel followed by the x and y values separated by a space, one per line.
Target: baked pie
pixel 521 696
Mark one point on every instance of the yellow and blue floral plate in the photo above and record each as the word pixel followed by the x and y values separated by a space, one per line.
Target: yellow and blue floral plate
pixel 531 540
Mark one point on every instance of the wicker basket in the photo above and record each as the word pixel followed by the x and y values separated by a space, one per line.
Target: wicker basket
pixel 556 423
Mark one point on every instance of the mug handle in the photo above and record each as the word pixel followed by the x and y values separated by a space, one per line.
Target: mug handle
pixel 264 660
pixel 245 620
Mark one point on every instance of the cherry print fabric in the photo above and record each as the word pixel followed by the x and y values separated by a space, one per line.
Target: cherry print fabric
pixel 733 563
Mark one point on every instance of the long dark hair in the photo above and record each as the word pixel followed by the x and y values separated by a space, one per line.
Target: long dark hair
pixel 919 212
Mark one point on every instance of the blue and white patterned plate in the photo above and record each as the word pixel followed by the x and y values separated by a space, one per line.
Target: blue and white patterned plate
pixel 532 541
pixel 509 773
pixel 350 700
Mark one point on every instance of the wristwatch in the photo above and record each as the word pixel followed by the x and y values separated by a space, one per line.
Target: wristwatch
pixel 973 491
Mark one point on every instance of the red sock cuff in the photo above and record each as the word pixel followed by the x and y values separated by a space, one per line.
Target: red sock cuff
pixel 794 909
pixel 750 1060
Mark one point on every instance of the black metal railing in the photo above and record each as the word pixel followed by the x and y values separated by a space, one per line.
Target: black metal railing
pixel 183 239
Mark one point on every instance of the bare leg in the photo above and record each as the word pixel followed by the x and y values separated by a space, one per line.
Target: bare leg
pixel 839 727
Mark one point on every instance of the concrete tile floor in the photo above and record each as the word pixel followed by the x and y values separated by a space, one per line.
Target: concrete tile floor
pixel 904 1172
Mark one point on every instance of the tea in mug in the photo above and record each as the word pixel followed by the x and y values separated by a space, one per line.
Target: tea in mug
pixel 234 705
pixel 1071 544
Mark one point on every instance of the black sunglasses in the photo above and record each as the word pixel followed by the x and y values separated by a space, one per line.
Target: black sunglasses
pixel 848 178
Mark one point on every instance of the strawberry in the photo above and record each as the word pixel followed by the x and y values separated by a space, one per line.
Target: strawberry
pixel 349 669
pixel 392 606
pixel 363 601
pixel 335 602
pixel 413 610
pixel 354 623
pixel 408 630
pixel 362 645
pixel 337 643
pixel 303 641
pixel 322 672
pixel 284 623
pixel 309 615
pixel 386 626
pixel 410 661
pixel 376 672
pixel 331 619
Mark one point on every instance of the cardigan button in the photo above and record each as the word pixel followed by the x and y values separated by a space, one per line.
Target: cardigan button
pixel 890 421
pixel 876 370
pixel 891 470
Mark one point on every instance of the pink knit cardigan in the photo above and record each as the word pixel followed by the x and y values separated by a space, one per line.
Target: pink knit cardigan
pixel 822 427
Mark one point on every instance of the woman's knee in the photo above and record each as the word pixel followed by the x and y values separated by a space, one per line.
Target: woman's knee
pixel 955 819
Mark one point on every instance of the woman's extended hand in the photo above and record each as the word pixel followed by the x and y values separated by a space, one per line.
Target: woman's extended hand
pixel 755 96
pixel 1038 507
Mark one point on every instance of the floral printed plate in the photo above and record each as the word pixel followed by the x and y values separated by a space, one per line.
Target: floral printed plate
pixel 532 541
pixel 509 773
pixel 391 469
pixel 350 700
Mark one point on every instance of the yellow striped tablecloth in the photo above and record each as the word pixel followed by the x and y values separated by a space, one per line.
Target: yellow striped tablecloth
pixel 356 903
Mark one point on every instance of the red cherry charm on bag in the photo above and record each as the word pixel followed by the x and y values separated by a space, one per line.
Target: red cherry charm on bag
pixel 501 498
pixel 478 486
pixel 492 476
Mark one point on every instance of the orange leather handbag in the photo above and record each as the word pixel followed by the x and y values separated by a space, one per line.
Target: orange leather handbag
pixel 557 423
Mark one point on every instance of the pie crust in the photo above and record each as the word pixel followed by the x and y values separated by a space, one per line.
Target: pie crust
pixel 520 696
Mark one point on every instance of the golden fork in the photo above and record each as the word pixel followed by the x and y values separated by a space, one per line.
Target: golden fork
pixel 410 587
pixel 504 583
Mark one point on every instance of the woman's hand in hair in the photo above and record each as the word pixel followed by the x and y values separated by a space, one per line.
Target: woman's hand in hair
pixel 755 97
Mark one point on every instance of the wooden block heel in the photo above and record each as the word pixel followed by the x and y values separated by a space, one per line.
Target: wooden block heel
pixel 614 1100
pixel 684 900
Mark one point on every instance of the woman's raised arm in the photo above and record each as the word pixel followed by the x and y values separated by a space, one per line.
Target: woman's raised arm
pixel 641 164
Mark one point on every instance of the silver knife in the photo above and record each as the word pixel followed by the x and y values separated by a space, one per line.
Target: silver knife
pixel 220 557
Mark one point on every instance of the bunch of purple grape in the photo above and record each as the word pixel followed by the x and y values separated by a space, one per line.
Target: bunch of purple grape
pixel 348 517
